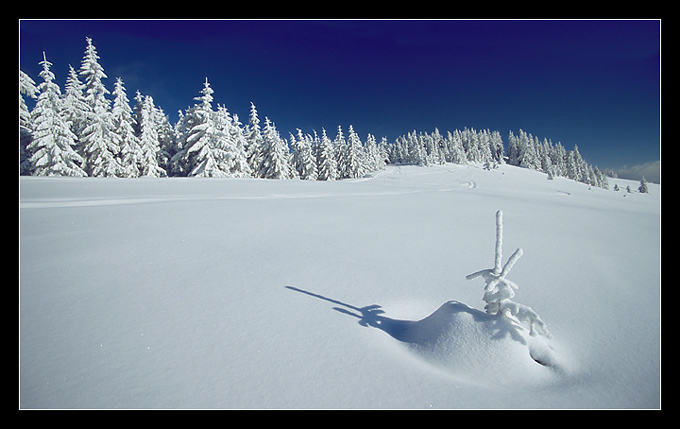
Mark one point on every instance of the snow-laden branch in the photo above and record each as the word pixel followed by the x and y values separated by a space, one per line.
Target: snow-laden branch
pixel 499 291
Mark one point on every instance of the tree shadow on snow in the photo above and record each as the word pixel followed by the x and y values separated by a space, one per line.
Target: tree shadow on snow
pixel 403 330
pixel 369 316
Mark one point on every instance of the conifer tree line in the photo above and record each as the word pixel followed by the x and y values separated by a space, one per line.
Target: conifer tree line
pixel 88 131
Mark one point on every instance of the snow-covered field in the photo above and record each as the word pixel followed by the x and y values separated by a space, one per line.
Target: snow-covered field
pixel 252 293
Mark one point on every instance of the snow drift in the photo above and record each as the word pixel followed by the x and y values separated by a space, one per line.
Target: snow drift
pixel 471 345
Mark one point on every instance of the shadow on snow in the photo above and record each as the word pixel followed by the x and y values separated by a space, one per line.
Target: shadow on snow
pixel 413 332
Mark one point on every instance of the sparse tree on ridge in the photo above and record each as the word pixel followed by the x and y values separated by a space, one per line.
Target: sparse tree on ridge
pixel 643 189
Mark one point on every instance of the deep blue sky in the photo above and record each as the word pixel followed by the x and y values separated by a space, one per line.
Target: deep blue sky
pixel 587 82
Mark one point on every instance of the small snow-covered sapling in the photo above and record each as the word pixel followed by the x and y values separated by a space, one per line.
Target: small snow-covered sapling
pixel 499 291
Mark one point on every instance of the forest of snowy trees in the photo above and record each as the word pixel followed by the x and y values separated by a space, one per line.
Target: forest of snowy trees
pixel 86 130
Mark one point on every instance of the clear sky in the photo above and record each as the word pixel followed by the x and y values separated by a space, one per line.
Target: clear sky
pixel 593 83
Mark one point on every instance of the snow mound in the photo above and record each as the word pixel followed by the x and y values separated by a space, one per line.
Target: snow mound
pixel 478 347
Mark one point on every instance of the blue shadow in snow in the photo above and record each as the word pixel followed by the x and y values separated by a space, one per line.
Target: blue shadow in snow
pixel 402 330
pixel 369 316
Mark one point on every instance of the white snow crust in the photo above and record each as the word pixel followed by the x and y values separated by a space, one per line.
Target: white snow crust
pixel 252 293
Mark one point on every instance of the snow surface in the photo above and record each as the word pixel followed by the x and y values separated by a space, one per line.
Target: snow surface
pixel 253 293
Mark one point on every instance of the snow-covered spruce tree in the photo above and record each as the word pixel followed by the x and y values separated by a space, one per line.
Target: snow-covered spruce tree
pixel 275 154
pixel 304 161
pixel 234 132
pixel 416 150
pixel 123 127
pixel 26 87
pixel 340 150
pixel 374 160
pixel 149 146
pixel 253 136
pixel 328 167
pixel 203 145
pixel 98 142
pixel 75 107
pixel 166 138
pixel 499 291
pixel 513 149
pixel 455 152
pixel 52 149
pixel 558 157
pixel 355 164
pixel 530 158
pixel 496 147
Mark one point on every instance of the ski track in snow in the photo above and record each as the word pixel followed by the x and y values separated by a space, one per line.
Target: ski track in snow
pixel 48 203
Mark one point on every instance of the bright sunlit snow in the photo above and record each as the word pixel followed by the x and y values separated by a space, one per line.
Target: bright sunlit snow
pixel 253 293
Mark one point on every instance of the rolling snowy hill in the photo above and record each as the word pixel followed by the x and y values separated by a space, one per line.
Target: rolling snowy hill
pixel 253 293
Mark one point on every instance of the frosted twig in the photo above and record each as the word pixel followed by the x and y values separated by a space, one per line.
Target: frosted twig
pixel 499 242
pixel 499 291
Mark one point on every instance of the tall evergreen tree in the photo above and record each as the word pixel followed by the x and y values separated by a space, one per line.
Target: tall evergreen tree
pixel 529 158
pixel 166 138
pixel 455 151
pixel 558 158
pixel 304 160
pixel 200 153
pixel 275 154
pixel 328 167
pixel 26 87
pixel 572 168
pixel 149 146
pixel 340 150
pixel 496 147
pixel 373 161
pixel 75 107
pixel 580 165
pixel 239 166
pixel 93 73
pixel 123 127
pixel 99 143
pixel 52 149
pixel 355 165
pixel 513 149
pixel 254 142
